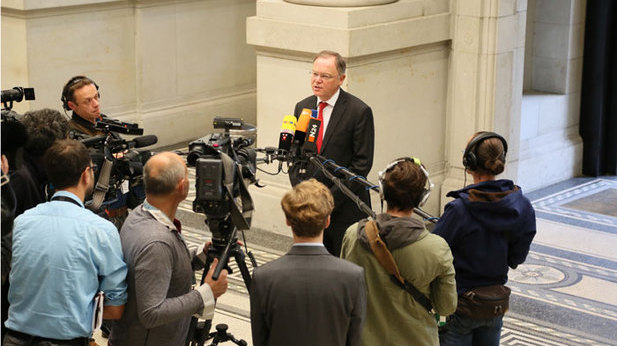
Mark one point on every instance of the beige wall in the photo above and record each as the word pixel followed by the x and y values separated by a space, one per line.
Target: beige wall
pixel 169 65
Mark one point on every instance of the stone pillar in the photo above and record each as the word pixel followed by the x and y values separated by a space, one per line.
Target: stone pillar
pixel 486 78
pixel 397 62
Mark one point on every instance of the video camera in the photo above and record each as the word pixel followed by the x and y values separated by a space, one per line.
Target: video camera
pixel 120 166
pixel 222 160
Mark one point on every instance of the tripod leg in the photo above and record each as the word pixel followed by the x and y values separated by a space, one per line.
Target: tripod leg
pixel 194 336
pixel 244 270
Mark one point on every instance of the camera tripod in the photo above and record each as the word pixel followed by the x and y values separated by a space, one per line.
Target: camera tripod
pixel 224 245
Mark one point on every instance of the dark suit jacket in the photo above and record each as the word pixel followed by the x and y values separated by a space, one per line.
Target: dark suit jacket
pixel 308 297
pixel 349 141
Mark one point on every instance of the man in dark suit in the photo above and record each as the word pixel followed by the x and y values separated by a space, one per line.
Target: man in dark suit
pixel 308 297
pixel 347 137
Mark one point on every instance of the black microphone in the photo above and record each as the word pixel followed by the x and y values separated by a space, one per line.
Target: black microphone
pixel 145 141
pixel 310 144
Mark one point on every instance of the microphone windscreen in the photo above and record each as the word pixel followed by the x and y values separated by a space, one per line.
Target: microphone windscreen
pixel 303 121
pixel 306 111
pixel 145 141
pixel 289 124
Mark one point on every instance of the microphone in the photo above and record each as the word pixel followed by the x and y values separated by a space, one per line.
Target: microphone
pixel 314 113
pixel 301 126
pixel 310 145
pixel 145 141
pixel 287 133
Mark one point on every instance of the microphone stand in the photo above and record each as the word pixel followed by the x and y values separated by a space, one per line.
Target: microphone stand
pixel 321 162
pixel 347 191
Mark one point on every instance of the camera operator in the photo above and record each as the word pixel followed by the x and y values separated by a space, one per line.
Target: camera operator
pixel 81 95
pixel 393 316
pixel 161 301
pixel 57 308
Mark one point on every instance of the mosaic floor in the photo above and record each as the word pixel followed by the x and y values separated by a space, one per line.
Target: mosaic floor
pixel 564 294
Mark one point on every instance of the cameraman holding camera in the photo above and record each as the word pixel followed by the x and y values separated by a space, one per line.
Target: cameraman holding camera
pixel 81 95
pixel 161 301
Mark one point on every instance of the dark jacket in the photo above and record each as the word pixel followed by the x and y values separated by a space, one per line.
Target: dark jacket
pixel 489 227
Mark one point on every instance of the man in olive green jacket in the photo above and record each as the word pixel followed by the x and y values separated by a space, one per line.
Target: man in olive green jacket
pixel 393 316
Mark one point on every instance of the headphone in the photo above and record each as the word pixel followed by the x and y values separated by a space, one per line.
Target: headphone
pixel 470 159
pixel 426 191
pixel 69 85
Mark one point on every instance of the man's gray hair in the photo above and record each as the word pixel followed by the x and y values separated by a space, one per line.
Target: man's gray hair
pixel 341 66
pixel 162 180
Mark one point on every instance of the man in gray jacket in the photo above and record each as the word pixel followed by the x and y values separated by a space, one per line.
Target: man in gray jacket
pixel 308 297
pixel 161 301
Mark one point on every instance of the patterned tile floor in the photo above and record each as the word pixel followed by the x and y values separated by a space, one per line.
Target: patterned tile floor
pixel 564 294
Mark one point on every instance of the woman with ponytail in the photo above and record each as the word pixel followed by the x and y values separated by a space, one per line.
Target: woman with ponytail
pixel 489 226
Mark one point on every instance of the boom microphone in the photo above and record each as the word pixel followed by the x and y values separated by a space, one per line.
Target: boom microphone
pixel 287 133
pixel 145 141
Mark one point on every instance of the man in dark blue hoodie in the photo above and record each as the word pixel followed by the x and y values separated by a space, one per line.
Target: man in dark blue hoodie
pixel 489 227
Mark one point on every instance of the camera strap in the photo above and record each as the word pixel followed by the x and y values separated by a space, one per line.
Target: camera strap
pixel 241 218
pixel 384 257
pixel 102 185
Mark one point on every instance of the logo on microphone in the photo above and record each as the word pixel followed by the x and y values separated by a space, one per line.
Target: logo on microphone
pixel 313 132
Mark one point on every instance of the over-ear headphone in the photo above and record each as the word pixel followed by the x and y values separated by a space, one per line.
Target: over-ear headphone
pixel 69 85
pixel 470 159
pixel 426 191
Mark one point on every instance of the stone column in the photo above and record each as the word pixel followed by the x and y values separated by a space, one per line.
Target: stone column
pixel 486 79
pixel 398 57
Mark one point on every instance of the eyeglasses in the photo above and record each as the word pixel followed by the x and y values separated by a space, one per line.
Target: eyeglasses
pixel 324 76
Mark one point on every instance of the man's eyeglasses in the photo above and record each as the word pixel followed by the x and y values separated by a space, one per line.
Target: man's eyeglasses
pixel 324 76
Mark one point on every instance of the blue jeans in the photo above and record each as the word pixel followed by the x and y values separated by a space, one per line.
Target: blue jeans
pixel 464 331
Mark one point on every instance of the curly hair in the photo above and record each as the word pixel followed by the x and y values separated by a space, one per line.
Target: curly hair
pixel 44 127
pixel 307 208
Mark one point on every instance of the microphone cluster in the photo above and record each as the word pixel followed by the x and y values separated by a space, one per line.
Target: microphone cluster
pixel 299 137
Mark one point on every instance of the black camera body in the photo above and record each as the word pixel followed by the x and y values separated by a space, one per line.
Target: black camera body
pixel 126 162
pixel 221 161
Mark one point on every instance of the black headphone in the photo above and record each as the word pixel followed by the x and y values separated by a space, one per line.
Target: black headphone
pixel 426 191
pixel 69 85
pixel 470 159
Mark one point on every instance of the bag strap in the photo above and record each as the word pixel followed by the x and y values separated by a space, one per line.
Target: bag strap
pixel 102 185
pixel 384 257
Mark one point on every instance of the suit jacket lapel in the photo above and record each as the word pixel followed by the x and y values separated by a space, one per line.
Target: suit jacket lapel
pixel 335 118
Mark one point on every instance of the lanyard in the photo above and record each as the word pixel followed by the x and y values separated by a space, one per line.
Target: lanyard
pixel 66 199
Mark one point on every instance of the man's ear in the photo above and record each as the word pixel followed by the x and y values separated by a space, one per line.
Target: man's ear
pixel 71 105
pixel 327 222
pixel 287 222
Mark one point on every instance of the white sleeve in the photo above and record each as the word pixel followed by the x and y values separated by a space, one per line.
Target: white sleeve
pixel 209 303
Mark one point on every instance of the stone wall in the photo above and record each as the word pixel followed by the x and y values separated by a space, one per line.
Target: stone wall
pixel 169 65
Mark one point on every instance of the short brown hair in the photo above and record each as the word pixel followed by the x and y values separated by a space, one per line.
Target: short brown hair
pixel 65 161
pixel 403 185
pixel 339 62
pixel 307 208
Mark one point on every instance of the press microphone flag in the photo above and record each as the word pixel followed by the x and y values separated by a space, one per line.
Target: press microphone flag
pixel 310 144
pixel 314 113
pixel 287 132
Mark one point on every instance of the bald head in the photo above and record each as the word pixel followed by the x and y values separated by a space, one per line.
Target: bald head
pixel 163 172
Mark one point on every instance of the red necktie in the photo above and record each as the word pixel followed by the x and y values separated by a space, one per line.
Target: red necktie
pixel 322 105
